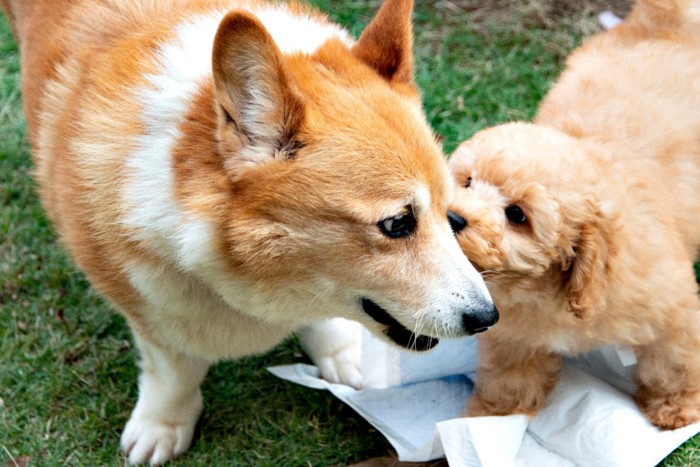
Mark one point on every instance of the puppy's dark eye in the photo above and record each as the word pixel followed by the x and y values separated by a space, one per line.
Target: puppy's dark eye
pixel 468 183
pixel 515 214
pixel 399 226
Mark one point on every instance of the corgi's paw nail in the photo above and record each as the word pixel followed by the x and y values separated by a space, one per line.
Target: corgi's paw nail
pixel 342 367
pixel 153 441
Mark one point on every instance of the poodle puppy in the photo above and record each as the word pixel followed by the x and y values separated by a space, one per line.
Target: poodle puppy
pixel 586 223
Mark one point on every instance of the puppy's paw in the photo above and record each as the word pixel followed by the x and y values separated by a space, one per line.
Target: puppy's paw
pixel 476 408
pixel 669 412
pixel 153 441
pixel 479 407
pixel 335 348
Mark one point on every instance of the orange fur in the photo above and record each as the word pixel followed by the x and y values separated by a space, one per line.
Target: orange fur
pixel 608 177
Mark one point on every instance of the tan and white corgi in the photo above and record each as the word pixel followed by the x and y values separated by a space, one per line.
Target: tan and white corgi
pixel 226 171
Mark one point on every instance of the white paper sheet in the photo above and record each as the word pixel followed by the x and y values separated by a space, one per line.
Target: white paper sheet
pixel 590 419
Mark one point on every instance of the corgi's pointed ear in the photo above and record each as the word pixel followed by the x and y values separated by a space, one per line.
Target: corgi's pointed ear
pixel 387 43
pixel 258 105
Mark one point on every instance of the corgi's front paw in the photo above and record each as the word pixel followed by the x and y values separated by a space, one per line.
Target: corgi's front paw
pixel 334 346
pixel 153 439
pixel 342 366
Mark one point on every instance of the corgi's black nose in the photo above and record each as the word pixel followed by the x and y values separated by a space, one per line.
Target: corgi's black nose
pixel 457 222
pixel 480 318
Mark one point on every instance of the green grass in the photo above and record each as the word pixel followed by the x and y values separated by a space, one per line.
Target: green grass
pixel 67 372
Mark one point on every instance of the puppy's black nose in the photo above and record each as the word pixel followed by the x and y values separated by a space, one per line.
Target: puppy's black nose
pixel 457 222
pixel 480 318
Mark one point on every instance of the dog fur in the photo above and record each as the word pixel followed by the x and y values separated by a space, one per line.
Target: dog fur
pixel 226 171
pixel 608 181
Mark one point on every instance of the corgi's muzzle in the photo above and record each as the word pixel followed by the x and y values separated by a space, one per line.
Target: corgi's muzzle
pixel 395 331
pixel 474 321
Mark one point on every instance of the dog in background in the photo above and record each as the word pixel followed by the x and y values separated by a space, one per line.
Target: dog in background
pixel 586 223
pixel 225 171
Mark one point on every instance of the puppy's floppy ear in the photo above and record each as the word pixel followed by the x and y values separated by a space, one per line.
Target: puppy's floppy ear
pixel 586 277
pixel 386 45
pixel 259 107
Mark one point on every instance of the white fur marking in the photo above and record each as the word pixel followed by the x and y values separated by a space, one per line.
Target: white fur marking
pixel 421 199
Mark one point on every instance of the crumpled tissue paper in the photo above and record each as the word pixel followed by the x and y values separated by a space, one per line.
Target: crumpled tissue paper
pixel 415 400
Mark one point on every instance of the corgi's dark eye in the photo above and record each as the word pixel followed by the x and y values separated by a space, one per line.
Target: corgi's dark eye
pixel 515 214
pixel 399 226
pixel 468 183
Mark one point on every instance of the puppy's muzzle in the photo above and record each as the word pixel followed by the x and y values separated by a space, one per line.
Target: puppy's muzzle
pixel 479 317
pixel 457 222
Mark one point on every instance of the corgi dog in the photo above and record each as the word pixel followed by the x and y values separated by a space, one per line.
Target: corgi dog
pixel 585 222
pixel 225 171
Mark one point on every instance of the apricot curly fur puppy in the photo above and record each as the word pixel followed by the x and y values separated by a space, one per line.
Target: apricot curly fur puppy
pixel 586 222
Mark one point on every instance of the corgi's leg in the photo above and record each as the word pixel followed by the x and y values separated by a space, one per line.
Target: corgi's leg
pixel 334 345
pixel 668 370
pixel 170 401
pixel 511 379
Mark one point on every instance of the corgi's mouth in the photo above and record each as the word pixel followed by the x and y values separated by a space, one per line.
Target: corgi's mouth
pixel 396 331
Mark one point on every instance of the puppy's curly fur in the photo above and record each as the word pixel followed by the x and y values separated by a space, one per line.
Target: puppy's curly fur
pixel 585 223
